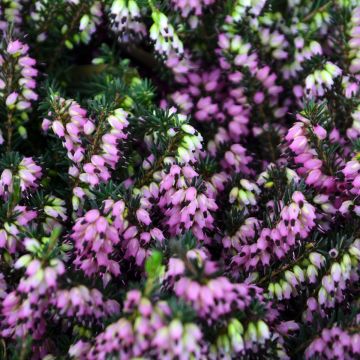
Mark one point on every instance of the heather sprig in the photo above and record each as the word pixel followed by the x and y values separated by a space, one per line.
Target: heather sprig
pixel 17 84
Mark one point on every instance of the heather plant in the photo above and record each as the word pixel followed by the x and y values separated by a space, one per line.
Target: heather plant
pixel 179 179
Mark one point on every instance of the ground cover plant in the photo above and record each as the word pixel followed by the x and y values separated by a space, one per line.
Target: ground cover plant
pixel 179 179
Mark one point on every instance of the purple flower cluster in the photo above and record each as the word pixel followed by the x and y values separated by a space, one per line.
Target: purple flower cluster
pixel 334 343
pixel 145 330
pixel 17 53
pixel 185 206
pixel 17 85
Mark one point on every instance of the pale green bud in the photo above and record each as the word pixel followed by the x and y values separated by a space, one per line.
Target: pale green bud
pixel 354 251
pixel 188 129
pixel 278 291
pixel 75 202
pixel 84 21
pixel 69 44
pixel 299 273
pixel 233 195
pixel 22 132
pixel 263 331
pixel 23 261
pixel 243 197
pixel 251 332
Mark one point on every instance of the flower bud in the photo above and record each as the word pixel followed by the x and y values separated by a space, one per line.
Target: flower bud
pixel 11 99
pixel 263 332
pixel 251 332
pixel 336 272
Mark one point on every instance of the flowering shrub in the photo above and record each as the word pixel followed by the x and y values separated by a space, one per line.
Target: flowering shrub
pixel 179 179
